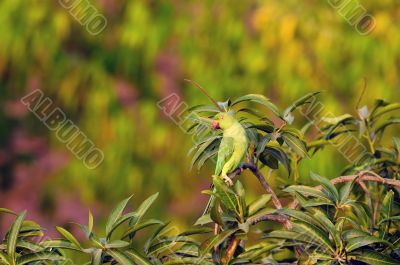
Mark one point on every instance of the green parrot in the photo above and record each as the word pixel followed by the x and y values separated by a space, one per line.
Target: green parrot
pixel 232 150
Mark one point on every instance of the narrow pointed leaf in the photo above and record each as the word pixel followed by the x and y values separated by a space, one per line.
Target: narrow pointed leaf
pixel 40 256
pixel 120 257
pixel 115 215
pixel 362 241
pixel 374 258
pixel 13 235
pixel 328 186
pixel 69 236
pixel 260 99
pixel 295 144
pixel 137 258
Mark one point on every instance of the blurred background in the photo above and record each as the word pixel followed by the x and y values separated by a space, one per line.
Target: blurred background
pixel 109 84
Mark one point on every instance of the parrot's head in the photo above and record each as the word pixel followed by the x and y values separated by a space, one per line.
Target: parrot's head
pixel 223 120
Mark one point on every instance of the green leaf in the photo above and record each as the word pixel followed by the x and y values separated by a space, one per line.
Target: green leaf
pixel 387 205
pixel 203 220
pixel 167 244
pixel 315 233
pixel 301 101
pixel 205 149
pixel 305 202
pixel 254 113
pixel 29 246
pixel 140 226
pixel 145 206
pixel 262 144
pixel 60 244
pixel 117 244
pixel 393 218
pixel 203 108
pixel 362 218
pixel 357 242
pixel 279 155
pixel 206 156
pixel 96 257
pixel 185 261
pixel 258 204
pixel 215 214
pixel 225 194
pixel 120 257
pixel 4 259
pixel 327 185
pixel 40 256
pixel 30 229
pixel 196 231
pixel 13 235
pixel 374 258
pixel 383 110
pixel 307 191
pixel 328 226
pixel 396 144
pixel 5 210
pixel 260 99
pixel 353 233
pixel 268 160
pixel 154 236
pixel 69 236
pixel 90 223
pixel 301 216
pixel 297 236
pixel 289 235
pixel 129 216
pixel 137 258
pixel 297 145
pixel 215 241
pixel 115 215
pixel 382 126
pixel 344 192
pixel 338 120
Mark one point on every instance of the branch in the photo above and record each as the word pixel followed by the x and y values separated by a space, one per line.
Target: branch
pixel 230 251
pixel 256 172
pixel 270 217
pixel 360 179
pixel 366 177
pixel 260 177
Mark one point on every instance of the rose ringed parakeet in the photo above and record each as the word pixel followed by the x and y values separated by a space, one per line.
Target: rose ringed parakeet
pixel 232 150
pixel 233 146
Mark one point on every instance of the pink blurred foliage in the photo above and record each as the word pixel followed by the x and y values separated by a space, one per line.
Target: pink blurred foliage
pixel 15 109
pixel 127 93
pixel 167 68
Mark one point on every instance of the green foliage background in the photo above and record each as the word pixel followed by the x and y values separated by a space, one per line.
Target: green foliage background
pixel 110 84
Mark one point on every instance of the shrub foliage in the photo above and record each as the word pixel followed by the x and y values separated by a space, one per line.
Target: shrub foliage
pixel 351 219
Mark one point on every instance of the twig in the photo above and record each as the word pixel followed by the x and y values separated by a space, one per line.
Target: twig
pixel 231 250
pixel 371 205
pixel 280 218
pixel 256 172
pixel 365 177
pixel 260 177
pixel 361 177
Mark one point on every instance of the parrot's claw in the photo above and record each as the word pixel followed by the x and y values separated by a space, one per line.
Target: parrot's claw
pixel 228 180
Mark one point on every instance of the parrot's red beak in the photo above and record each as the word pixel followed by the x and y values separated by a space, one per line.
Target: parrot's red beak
pixel 215 125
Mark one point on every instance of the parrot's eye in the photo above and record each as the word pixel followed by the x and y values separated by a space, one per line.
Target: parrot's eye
pixel 222 117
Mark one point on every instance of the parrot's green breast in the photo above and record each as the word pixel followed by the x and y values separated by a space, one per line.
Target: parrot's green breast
pixel 232 150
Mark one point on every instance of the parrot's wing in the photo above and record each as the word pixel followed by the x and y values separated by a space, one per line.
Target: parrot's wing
pixel 224 153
